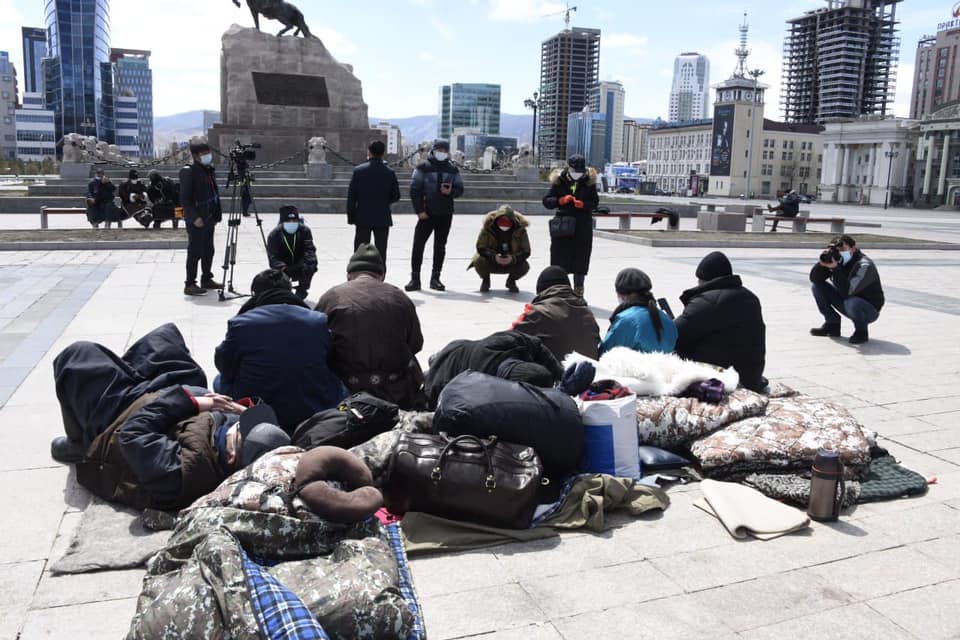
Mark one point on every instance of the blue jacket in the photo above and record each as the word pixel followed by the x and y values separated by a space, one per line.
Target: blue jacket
pixel 632 328
pixel 279 353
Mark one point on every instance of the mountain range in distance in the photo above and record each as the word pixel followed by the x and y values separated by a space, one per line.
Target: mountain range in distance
pixel 182 126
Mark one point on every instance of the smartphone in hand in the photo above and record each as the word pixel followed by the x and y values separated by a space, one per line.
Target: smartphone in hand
pixel 665 306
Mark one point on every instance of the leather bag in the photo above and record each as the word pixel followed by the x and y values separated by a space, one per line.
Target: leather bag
pixel 464 478
pixel 563 226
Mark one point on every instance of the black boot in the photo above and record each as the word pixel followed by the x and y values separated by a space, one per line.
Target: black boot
pixel 64 450
pixel 859 336
pixel 512 286
pixel 828 329
pixel 414 284
pixel 485 284
pixel 435 283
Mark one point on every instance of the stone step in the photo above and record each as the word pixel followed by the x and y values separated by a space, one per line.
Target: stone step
pixel 482 191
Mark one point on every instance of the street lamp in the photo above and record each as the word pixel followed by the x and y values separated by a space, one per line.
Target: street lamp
pixel 534 103
pixel 890 156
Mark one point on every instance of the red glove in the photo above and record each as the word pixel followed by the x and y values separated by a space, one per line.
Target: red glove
pixel 578 204
pixel 565 200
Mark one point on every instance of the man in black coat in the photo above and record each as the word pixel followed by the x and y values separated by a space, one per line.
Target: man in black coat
pixel 435 185
pixel 722 323
pixel 850 287
pixel 200 198
pixel 373 188
pixel 291 251
pixel 164 198
pixel 100 195
pixel 789 207
pixel 573 192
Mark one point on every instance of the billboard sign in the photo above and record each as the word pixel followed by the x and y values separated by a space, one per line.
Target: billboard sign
pixel 722 142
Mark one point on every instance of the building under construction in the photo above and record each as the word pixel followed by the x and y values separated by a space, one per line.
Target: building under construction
pixel 569 71
pixel 840 61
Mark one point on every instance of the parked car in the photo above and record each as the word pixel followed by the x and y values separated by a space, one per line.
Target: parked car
pixel 807 199
pixel 625 190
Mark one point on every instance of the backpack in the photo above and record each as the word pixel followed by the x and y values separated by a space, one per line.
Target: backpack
pixel 358 419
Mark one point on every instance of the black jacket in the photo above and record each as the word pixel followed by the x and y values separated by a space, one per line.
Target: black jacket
pixel 722 324
pixel 573 254
pixel 199 194
pixel 101 193
pixel 129 188
pixel 285 250
pixel 791 204
pixel 165 191
pixel 373 188
pixel 857 278
pixel 425 187
pixel 485 356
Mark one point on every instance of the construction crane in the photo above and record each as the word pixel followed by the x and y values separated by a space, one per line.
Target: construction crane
pixel 566 15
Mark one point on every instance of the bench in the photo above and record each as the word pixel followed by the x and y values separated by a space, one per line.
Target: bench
pixel 624 219
pixel 837 225
pixel 726 207
pixel 46 211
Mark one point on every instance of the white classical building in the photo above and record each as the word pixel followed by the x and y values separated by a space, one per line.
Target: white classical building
pixel 868 160
pixel 938 157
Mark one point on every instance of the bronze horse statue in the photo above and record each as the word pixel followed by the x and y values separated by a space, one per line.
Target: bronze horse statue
pixel 284 12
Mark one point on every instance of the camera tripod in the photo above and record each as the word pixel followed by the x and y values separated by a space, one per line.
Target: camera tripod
pixel 242 180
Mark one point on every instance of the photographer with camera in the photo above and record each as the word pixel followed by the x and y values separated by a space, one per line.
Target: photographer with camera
pixel 200 198
pixel 164 199
pixel 845 280
pixel 291 251
pixel 502 247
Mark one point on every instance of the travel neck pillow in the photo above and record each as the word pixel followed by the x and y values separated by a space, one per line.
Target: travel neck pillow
pixel 357 501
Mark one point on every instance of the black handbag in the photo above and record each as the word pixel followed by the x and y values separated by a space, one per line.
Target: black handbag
pixel 356 420
pixel 464 478
pixel 563 226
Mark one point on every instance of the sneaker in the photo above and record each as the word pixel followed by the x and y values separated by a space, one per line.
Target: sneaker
pixel 436 285
pixel 211 284
pixel 827 329
pixel 64 450
pixel 512 286
pixel 193 290
pixel 413 285
pixel 485 285
pixel 859 337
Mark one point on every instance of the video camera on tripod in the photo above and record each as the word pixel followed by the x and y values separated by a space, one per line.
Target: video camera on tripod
pixel 241 178
pixel 241 155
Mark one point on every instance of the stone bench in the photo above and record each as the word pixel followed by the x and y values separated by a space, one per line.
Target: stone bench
pixel 721 221
pixel 625 218
pixel 837 225
pixel 47 211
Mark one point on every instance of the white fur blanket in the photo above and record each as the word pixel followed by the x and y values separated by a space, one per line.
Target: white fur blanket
pixel 655 374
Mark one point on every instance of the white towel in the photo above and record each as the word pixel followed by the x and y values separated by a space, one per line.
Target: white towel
pixel 745 511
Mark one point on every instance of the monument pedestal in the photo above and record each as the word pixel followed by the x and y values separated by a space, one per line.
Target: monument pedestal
pixel 282 91
pixel 319 171
pixel 527 174
pixel 75 170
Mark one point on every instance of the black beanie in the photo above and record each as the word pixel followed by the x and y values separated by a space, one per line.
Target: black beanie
pixel 268 280
pixel 517 370
pixel 133 175
pixel 714 265
pixel 289 213
pixel 577 162
pixel 632 281
pixel 552 276
pixel 367 258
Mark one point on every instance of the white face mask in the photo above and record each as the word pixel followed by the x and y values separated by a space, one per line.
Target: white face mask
pixel 206 159
pixel 440 155
pixel 576 175
pixel 845 256
pixel 291 227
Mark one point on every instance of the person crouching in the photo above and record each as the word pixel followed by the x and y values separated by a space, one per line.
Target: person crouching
pixel 291 251
pixel 502 247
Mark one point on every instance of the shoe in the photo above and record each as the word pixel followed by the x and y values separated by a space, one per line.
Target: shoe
pixel 435 283
pixel 65 450
pixel 578 291
pixel 769 208
pixel 211 284
pixel 827 329
pixel 301 293
pixel 413 285
pixel 859 337
pixel 193 290
pixel 512 286
pixel 485 285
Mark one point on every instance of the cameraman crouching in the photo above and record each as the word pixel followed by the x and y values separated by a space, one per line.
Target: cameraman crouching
pixel 845 280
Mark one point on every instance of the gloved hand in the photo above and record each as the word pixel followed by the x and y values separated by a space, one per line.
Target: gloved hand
pixel 578 204
pixel 565 200
pixel 577 378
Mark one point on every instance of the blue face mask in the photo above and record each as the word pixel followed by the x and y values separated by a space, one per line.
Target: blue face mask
pixel 845 256
pixel 291 227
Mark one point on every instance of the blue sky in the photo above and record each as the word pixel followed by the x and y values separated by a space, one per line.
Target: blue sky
pixel 403 50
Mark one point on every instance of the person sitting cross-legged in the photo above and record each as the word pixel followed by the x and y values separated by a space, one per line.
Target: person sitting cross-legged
pixel 502 247
pixel 559 317
pixel 638 323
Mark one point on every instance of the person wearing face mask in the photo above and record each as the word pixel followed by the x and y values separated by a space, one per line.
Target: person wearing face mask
pixel 164 198
pixel 849 286
pixel 100 195
pixel 436 184
pixel 502 247
pixel 573 192
pixel 638 323
pixel 200 198
pixel 133 195
pixel 291 251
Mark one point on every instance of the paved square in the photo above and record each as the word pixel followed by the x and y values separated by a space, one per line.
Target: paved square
pixel 886 570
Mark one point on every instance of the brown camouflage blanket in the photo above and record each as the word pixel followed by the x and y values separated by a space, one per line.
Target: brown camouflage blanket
pixel 785 438
pixel 670 422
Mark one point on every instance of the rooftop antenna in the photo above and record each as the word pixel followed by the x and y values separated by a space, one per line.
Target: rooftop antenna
pixel 566 15
pixel 742 52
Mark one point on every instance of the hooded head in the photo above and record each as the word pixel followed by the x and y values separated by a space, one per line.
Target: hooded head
pixel 714 265
pixel 366 259
pixel 521 371
pixel 441 150
pixel 268 280
pixel 550 277
pixel 503 222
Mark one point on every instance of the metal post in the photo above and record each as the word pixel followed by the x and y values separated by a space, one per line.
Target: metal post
pixel 755 74
pixel 890 156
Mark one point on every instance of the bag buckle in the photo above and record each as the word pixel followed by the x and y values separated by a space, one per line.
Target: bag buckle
pixel 435 474
pixel 491 483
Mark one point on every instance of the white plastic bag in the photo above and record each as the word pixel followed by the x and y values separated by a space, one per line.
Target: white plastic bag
pixel 610 438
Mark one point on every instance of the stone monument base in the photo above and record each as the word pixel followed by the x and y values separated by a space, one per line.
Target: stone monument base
pixel 75 170
pixel 527 174
pixel 319 171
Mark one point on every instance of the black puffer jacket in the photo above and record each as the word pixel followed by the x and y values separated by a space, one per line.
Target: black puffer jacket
pixel 722 324
pixel 573 254
pixel 199 194
pixel 858 278
pixel 425 187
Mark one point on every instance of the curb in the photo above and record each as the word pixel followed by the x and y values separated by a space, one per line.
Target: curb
pixel 763 244
pixel 102 245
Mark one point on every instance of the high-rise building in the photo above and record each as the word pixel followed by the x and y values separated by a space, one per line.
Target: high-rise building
pixel 840 61
pixel 587 135
pixel 936 71
pixel 78 67
pixel 127 118
pixel 210 118
pixel 34 51
pixel 607 99
pixel 394 137
pixel 476 106
pixel 8 108
pixel 36 134
pixel 569 71
pixel 132 75
pixel 690 93
pixel 636 140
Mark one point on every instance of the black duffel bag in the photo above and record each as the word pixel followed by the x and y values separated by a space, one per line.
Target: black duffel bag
pixel 358 419
pixel 464 478
pixel 546 419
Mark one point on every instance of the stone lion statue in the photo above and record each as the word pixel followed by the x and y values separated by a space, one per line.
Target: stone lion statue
pixel 318 150
pixel 524 157
pixel 72 147
pixel 113 153
pixel 88 145
pixel 457 157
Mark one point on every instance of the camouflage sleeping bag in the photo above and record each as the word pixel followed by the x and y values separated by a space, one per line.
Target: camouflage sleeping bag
pixel 671 422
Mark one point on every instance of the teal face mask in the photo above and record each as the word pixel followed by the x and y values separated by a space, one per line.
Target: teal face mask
pixel 845 256
pixel 291 227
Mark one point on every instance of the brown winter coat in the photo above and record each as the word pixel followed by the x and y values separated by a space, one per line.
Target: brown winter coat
pixel 563 322
pixel 488 242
